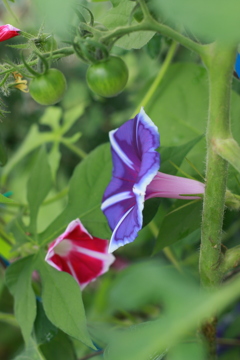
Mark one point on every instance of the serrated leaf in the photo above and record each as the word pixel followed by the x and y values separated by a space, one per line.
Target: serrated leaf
pixel 62 301
pixel 86 189
pixel 119 15
pixel 179 223
pixel 19 282
pixel 39 184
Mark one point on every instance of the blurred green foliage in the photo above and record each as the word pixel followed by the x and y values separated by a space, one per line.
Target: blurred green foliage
pixel 143 298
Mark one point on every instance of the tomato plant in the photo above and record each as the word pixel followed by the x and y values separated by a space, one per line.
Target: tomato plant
pixel 48 88
pixel 107 77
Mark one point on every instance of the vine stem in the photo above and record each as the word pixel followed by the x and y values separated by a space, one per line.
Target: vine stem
pixel 74 148
pixel 219 60
pixel 147 98
pixel 55 55
pixel 150 24
pixel 158 79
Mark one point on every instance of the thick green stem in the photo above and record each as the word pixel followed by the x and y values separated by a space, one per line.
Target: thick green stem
pixel 219 60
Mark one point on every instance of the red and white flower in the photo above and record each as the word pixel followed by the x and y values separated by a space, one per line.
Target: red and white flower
pixel 78 253
pixel 8 31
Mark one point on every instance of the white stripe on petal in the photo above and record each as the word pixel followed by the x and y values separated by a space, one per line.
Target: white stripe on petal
pixel 115 199
pixel 50 262
pixel 119 151
pixel 92 253
pixel 113 247
pixel 72 271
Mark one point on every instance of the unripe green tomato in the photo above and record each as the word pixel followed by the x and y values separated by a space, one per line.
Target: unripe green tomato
pixel 107 77
pixel 48 88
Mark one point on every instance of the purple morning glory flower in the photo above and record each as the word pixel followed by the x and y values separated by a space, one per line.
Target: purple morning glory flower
pixel 135 178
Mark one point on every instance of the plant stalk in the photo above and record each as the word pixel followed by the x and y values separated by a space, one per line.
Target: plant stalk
pixel 219 60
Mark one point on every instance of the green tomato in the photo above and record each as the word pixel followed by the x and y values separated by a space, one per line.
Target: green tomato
pixel 107 77
pixel 48 88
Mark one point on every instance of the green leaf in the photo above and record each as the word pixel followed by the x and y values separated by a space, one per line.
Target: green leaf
pixel 176 155
pixel 184 219
pixel 5 200
pixel 18 229
pixel 54 158
pixel 86 189
pixel 71 116
pixel 60 348
pixel 220 21
pixel 32 141
pixel 119 15
pixel 51 117
pixel 62 301
pixel 39 184
pixel 150 209
pixel 229 150
pixel 19 282
pixel 180 109
pixel 188 351
pixel 115 2
pixel 44 330
pixel 153 47
pixel 3 154
pixel 31 352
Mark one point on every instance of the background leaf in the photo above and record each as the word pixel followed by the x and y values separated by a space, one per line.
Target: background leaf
pixel 184 307
pixel 39 184
pixel 62 301
pixel 220 21
pixel 179 223
pixel 86 189
pixel 31 352
pixel 19 282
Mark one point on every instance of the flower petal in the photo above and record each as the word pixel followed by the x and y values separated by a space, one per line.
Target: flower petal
pixel 170 186
pixel 8 31
pixel 135 163
pixel 78 253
